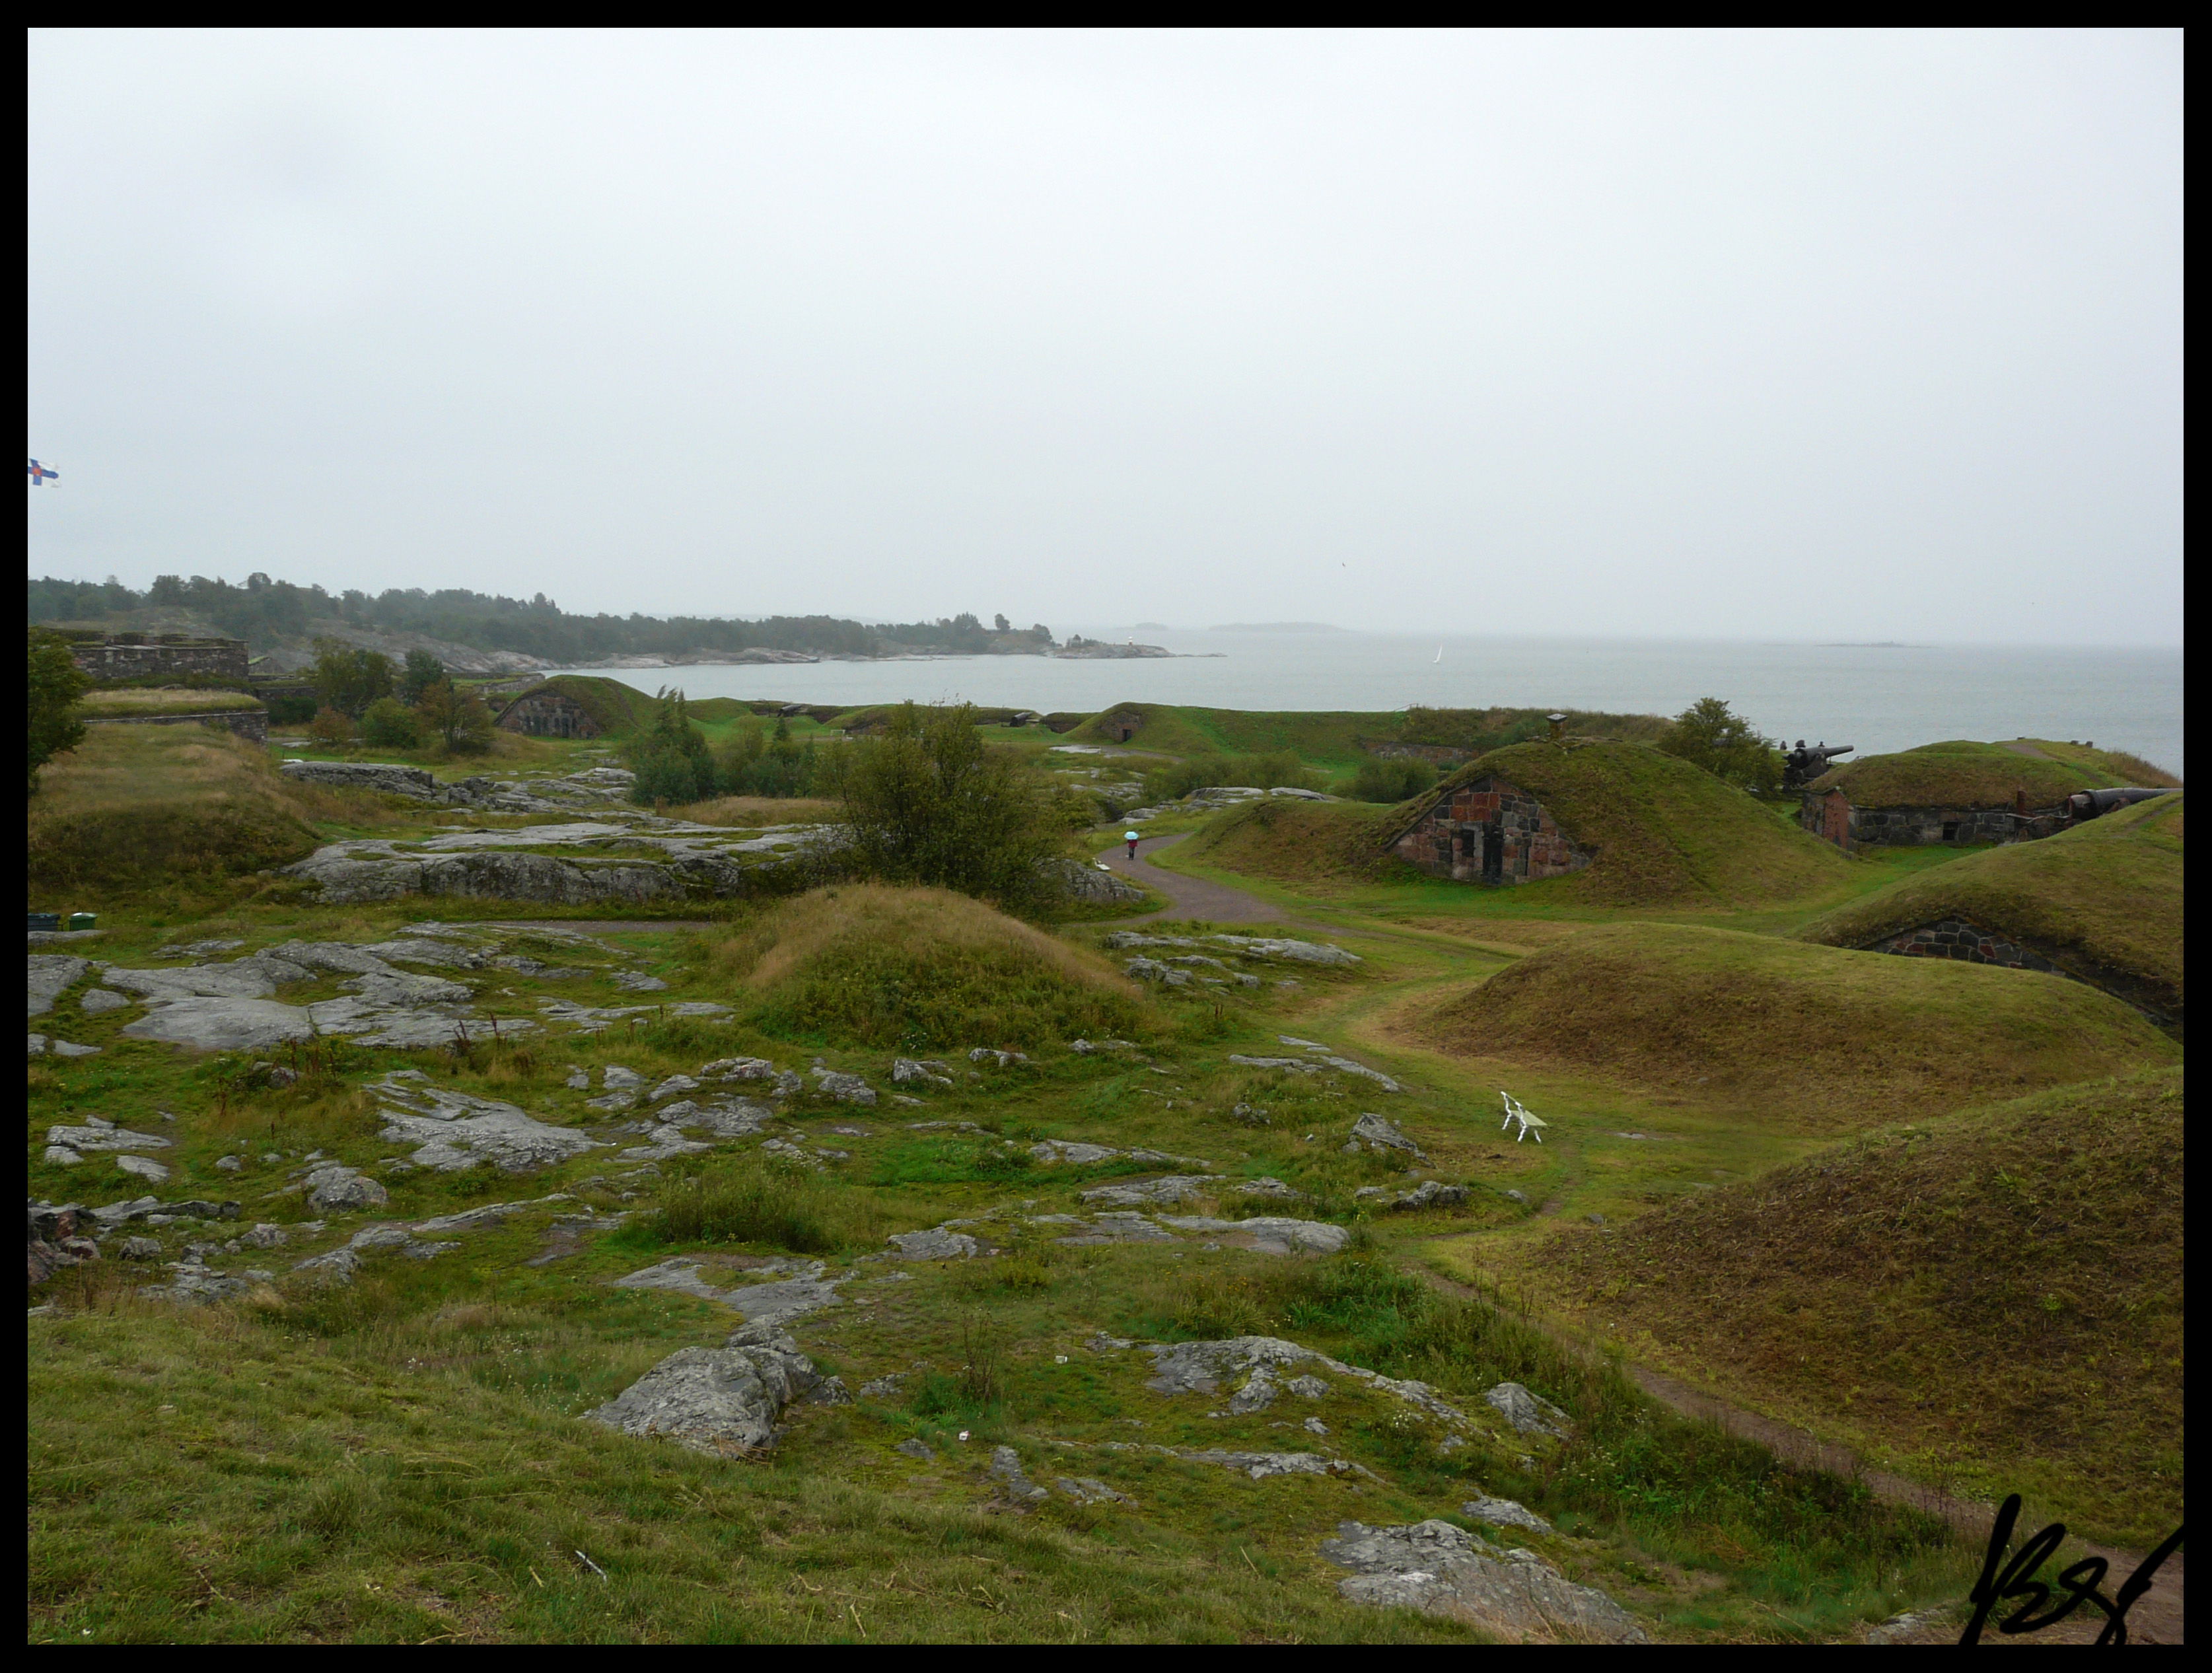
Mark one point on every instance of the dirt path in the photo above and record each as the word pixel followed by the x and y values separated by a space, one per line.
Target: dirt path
pixel 1192 897
pixel 604 926
pixel 2156 1618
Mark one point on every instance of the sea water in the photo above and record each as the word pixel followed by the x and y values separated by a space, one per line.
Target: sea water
pixel 1878 697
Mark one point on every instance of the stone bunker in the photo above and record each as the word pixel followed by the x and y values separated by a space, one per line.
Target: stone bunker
pixel 549 714
pixel 1488 830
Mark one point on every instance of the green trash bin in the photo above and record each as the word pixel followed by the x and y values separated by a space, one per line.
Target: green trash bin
pixel 83 921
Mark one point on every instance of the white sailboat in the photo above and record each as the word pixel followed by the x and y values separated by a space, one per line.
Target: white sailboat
pixel 1438 657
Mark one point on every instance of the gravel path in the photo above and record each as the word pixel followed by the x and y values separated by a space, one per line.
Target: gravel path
pixel 1192 897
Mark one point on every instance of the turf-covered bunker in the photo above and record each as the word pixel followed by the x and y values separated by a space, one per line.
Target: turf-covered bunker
pixel 1486 829
pixel 1618 822
pixel 1960 792
pixel 2101 903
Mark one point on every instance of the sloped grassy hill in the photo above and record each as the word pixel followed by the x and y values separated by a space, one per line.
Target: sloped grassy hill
pixel 2001 1288
pixel 2103 900
pixel 1662 830
pixel 921 970
pixel 141 812
pixel 1298 842
pixel 1811 1038
pixel 1961 773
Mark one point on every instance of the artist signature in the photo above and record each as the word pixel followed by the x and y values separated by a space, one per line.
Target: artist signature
pixel 2000 1579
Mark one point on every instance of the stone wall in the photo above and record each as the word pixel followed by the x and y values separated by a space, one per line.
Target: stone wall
pixel 246 722
pixel 548 715
pixel 140 656
pixel 1955 938
pixel 1490 831
pixel 1436 755
pixel 1834 819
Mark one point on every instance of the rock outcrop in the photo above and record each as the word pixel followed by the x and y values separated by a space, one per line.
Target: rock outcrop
pixel 1442 1570
pixel 722 1400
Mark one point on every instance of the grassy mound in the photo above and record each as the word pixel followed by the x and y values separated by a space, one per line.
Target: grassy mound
pixel 1327 737
pixel 619 709
pixel 2001 1288
pixel 1810 1037
pixel 117 702
pixel 176 813
pixel 2102 901
pixel 1662 830
pixel 1298 842
pixel 1965 774
pixel 920 969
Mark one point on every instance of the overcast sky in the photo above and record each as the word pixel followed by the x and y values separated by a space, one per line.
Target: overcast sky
pixel 1819 336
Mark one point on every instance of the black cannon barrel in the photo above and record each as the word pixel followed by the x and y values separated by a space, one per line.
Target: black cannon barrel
pixel 1831 750
pixel 2089 804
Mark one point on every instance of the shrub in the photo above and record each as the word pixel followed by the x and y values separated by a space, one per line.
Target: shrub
pixel 291 709
pixel 1392 779
pixel 56 684
pixel 422 671
pixel 927 801
pixel 1711 735
pixel 756 762
pixel 783 1209
pixel 458 719
pixel 389 724
pixel 348 679
pixel 331 728
pixel 1199 772
pixel 670 759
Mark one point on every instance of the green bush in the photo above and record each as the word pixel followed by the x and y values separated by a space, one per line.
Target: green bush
pixel 1266 772
pixel 759 763
pixel 389 724
pixel 1711 735
pixel 56 684
pixel 292 709
pixel 348 679
pixel 1392 779
pixel 927 801
pixel 671 758
pixel 782 1209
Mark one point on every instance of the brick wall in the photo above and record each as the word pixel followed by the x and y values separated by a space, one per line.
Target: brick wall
pixel 1492 831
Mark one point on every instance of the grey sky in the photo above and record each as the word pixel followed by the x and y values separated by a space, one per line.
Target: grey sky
pixel 1855 336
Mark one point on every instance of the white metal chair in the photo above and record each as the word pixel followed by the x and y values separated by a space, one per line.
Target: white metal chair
pixel 1515 1111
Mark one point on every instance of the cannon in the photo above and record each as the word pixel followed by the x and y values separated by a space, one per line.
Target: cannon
pixel 2086 805
pixel 1802 765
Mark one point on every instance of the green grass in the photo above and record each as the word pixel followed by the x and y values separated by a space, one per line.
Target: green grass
pixel 183 815
pixel 1336 739
pixel 1961 773
pixel 1661 830
pixel 404 1459
pixel 920 969
pixel 1804 1036
pixel 115 702
pixel 1996 1291
pixel 2103 900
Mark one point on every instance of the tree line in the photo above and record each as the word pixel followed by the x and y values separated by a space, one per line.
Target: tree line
pixel 260 610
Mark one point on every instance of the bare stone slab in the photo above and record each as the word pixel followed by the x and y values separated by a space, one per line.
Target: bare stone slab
pixel 1442 1570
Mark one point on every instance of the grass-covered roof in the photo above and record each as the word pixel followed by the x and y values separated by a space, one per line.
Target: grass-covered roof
pixel 1662 829
pixel 2104 899
pixel 1807 1038
pixel 1961 773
